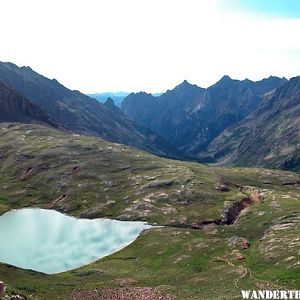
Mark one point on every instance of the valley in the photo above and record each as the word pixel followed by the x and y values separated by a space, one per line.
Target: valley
pixel 91 178
pixel 150 150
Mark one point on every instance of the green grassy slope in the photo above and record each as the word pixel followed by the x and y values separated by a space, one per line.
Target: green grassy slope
pixel 88 177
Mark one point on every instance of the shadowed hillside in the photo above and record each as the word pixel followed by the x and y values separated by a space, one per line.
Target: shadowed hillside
pixel 80 113
pixel 269 137
pixel 16 108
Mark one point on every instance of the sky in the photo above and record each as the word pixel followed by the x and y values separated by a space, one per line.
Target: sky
pixel 151 45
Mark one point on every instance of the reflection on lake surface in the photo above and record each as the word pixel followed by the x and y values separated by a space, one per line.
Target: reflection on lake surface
pixel 50 242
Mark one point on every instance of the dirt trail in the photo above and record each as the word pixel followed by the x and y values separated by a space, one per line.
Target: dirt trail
pixel 244 269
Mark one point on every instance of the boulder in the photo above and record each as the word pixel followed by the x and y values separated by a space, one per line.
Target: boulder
pixel 221 187
pixel 240 242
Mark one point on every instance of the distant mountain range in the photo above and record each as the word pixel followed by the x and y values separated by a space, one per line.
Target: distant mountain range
pixel 190 117
pixel 80 113
pixel 118 97
pixel 233 122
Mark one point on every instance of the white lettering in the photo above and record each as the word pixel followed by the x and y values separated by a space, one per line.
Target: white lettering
pixel 266 294
pixel 245 294
pixel 269 295
pixel 261 294
pixel 276 295
pixel 291 294
pixel 283 295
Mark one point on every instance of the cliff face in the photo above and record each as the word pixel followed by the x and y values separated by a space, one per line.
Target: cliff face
pixel 268 137
pixel 15 108
pixel 167 115
pixel 190 117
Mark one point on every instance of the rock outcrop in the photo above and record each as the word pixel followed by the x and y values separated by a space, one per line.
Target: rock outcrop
pixel 238 242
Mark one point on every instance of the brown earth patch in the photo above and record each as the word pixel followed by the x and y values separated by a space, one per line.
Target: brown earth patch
pixel 121 294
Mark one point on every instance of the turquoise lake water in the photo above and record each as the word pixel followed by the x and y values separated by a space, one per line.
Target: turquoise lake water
pixel 50 242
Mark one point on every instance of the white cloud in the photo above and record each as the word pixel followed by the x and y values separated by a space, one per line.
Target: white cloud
pixel 98 45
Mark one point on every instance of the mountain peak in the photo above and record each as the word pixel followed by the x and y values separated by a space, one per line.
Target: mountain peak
pixel 223 82
pixel 184 84
pixel 225 78
pixel 109 102
pixel 276 77
pixel 26 68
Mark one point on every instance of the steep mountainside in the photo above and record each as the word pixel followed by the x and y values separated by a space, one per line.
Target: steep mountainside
pixel 195 254
pixel 167 113
pixel 15 108
pixel 78 112
pixel 190 117
pixel 268 137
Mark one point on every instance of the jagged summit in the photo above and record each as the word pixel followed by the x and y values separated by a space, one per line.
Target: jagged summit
pixel 224 81
pixel 184 84
pixel 110 103
pixel 225 78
